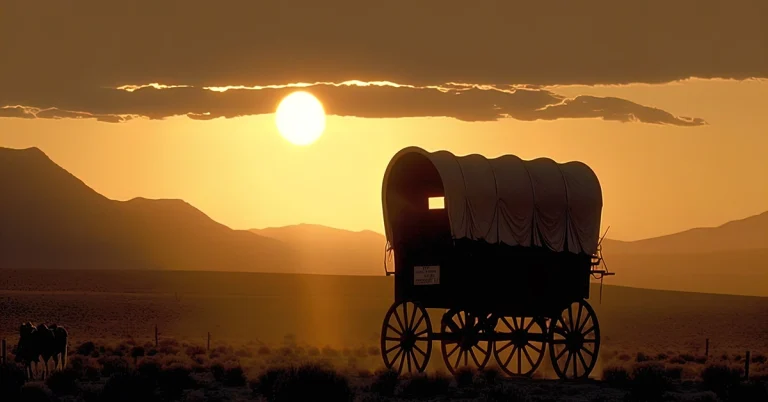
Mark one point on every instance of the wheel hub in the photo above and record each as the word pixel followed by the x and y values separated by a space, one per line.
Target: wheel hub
pixel 574 341
pixel 408 340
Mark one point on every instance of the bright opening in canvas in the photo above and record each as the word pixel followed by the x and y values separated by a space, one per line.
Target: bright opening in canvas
pixel 436 203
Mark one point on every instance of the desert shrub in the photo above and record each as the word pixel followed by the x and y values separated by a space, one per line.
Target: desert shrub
pixel 674 372
pixel 113 364
pixel 677 360
pixel 313 351
pixel 218 371
pixel 488 376
pixel 12 378
pixel 625 357
pixel 265 383
pixel 194 350
pixel 136 352
pixel 662 356
pixel 505 393
pixel 385 382
pixel 373 351
pixel 149 368
pixel 128 387
pixel 616 375
pixel 688 357
pixel 330 352
pixel 720 378
pixel 173 380
pixel 649 381
pixel 63 382
pixel 426 386
pixel 35 392
pixel 303 383
pixel 759 358
pixel 243 352
pixel 464 377
pixel 85 349
pixel 234 377
pixel 90 392
pixel 752 391
pixel 263 350
pixel 642 357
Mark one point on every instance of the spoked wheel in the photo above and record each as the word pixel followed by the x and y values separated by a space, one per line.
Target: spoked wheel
pixel 520 342
pixel 406 338
pixel 465 340
pixel 575 341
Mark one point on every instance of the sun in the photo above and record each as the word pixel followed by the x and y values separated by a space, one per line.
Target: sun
pixel 300 118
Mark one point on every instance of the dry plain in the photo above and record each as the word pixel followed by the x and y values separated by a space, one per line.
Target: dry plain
pixel 265 319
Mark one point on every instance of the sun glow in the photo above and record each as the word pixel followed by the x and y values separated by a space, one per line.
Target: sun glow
pixel 300 118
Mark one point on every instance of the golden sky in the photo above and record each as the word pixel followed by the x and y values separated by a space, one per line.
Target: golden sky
pixel 656 178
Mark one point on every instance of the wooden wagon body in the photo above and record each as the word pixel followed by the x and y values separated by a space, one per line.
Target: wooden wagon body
pixel 495 242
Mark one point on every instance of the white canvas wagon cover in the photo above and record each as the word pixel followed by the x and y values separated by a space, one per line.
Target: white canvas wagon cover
pixel 509 200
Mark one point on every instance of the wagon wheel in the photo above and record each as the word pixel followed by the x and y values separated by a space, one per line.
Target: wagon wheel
pixel 519 347
pixel 406 338
pixel 465 340
pixel 575 341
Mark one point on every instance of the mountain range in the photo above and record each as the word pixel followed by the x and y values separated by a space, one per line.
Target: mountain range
pixel 51 219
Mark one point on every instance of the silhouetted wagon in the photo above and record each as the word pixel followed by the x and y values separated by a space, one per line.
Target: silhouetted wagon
pixel 506 246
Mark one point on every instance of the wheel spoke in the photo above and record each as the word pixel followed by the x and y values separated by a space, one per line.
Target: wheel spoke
pixel 399 322
pixel 421 319
pixel 572 326
pixel 583 362
pixel 389 338
pixel 591 354
pixel 567 363
pixel 575 372
pixel 528 356
pixel 388 351
pixel 578 317
pixel 453 351
pixel 559 355
pixel 528 328
pixel 511 355
pixel 423 353
pixel 458 358
pixel 394 329
pixel 499 350
pixel 408 355
pixel 413 318
pixel 504 320
pixel 591 329
pixel 530 345
pixel 402 360
pixel 477 362
pixel 394 359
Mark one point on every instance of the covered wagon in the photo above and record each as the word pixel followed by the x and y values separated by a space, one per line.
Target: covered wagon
pixel 505 247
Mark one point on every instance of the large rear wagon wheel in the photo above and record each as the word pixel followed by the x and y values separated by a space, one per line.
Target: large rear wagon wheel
pixel 575 341
pixel 520 345
pixel 406 338
pixel 465 340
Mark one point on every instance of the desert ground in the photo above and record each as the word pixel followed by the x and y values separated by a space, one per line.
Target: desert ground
pixel 259 322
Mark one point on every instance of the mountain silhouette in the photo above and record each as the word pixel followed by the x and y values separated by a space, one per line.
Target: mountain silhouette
pixel 51 219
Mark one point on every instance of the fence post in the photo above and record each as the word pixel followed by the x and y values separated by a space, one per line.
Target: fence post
pixel 156 337
pixel 706 349
pixel 746 366
pixel 209 342
pixel 4 356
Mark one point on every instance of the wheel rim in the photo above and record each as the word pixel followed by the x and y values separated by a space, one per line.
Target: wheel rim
pixel 467 343
pixel 406 338
pixel 519 347
pixel 575 341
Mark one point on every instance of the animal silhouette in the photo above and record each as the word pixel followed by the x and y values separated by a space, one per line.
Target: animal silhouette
pixel 42 342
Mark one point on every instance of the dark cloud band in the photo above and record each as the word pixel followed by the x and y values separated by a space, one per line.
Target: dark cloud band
pixel 465 103
pixel 97 43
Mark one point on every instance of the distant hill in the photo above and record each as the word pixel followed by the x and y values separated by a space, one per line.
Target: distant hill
pixel 750 233
pixel 325 249
pixel 51 219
